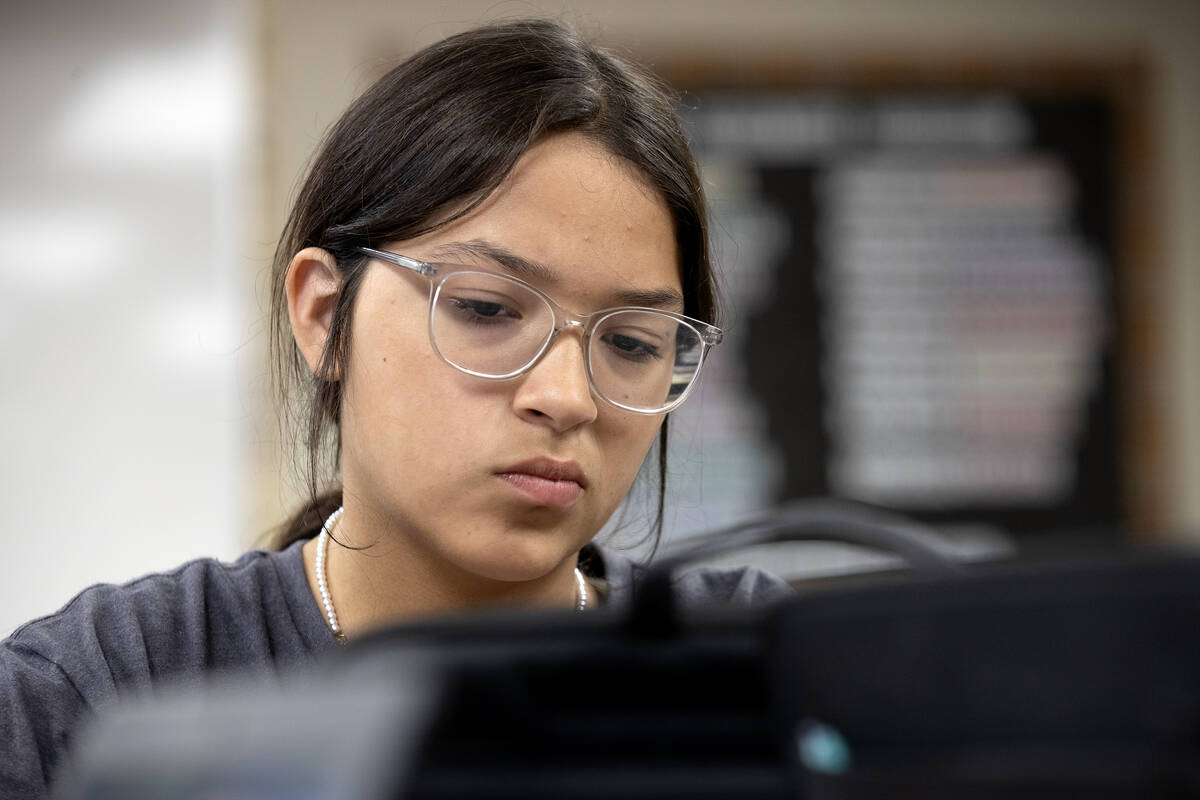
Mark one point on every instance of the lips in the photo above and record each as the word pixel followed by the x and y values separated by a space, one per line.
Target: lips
pixel 546 482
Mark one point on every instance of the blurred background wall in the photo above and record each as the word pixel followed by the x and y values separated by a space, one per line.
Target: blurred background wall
pixel 149 151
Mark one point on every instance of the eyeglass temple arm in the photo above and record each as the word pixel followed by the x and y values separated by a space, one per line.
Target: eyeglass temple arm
pixel 401 261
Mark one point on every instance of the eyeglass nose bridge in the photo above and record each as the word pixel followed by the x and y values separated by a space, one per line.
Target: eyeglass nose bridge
pixel 563 319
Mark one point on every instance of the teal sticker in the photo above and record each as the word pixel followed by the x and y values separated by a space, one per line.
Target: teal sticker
pixel 821 748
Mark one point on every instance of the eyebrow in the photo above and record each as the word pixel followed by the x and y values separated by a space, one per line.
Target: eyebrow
pixel 665 297
pixel 518 265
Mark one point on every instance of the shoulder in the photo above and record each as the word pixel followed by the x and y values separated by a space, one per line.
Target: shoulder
pixel 694 586
pixel 112 641
pixel 205 613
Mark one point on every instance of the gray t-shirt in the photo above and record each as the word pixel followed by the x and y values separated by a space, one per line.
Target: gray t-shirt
pixel 206 617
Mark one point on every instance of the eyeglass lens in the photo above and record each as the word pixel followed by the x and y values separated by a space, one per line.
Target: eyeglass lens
pixel 490 325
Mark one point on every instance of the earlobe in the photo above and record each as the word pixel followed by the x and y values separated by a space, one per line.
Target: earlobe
pixel 312 285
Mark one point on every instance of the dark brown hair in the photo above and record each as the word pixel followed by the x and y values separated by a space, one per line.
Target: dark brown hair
pixel 424 146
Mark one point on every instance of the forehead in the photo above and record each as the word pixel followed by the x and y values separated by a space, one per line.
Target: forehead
pixel 586 222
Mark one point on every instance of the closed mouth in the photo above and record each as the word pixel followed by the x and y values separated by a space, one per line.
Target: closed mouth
pixel 546 482
pixel 549 469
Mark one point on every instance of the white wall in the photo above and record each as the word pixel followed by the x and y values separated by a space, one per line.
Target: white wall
pixel 122 154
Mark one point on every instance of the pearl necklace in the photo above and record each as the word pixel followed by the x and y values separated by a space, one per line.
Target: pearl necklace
pixel 581 593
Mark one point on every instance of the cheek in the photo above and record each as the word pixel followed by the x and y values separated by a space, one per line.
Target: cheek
pixel 628 449
pixel 406 412
pixel 387 397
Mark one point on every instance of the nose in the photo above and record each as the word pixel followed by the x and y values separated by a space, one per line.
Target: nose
pixel 556 391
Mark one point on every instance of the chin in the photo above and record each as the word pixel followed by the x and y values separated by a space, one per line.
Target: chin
pixel 519 562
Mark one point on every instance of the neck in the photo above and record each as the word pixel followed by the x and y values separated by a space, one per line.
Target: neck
pixel 377 576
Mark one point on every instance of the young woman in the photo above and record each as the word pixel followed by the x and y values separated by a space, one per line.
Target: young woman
pixel 493 287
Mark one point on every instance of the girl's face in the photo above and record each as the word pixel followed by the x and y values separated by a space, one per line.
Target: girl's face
pixel 507 479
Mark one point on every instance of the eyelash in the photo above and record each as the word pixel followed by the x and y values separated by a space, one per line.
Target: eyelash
pixel 645 352
pixel 469 311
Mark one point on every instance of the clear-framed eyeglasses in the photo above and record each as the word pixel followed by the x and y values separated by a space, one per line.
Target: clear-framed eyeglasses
pixel 498 327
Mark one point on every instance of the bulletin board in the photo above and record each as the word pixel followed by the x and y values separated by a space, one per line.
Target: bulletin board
pixel 936 281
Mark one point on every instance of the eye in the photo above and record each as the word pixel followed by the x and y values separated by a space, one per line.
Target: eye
pixel 631 348
pixel 482 312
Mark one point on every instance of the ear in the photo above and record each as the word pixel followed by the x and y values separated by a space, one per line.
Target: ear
pixel 312 285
